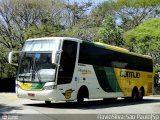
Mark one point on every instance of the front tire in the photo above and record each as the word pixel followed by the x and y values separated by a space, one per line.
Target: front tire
pixel 47 102
pixel 82 93
pixel 80 97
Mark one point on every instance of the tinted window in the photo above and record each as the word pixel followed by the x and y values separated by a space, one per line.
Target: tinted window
pixel 99 56
pixel 67 62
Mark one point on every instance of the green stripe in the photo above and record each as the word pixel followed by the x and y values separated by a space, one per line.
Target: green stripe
pixel 107 79
pixel 37 86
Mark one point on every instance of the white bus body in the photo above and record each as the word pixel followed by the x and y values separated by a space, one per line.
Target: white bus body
pixel 57 69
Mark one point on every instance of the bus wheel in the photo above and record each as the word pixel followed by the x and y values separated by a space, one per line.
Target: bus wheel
pixel 47 102
pixel 82 93
pixel 135 94
pixel 80 97
pixel 141 93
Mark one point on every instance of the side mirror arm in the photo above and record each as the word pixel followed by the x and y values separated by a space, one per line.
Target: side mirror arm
pixel 10 56
pixel 55 56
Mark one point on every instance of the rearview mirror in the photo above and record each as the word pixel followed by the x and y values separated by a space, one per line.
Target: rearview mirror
pixel 55 56
pixel 13 56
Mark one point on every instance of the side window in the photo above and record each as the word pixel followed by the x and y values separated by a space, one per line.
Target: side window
pixel 67 62
pixel 99 56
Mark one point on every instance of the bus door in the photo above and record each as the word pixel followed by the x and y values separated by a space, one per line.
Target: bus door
pixel 66 83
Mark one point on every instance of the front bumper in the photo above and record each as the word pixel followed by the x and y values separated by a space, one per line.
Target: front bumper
pixel 43 95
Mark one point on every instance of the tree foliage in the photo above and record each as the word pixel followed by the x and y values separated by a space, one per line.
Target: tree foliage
pixel 106 22
pixel 129 13
pixel 110 33
pixel 17 18
pixel 76 11
pixel 145 38
pixel 84 29
pixel 44 30
pixel 19 15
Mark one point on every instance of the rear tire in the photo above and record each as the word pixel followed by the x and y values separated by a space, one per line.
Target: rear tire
pixel 141 94
pixel 135 95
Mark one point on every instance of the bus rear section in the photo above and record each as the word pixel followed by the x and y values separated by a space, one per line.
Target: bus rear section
pixel 115 72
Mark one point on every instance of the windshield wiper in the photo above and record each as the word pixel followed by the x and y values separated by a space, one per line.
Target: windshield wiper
pixel 36 72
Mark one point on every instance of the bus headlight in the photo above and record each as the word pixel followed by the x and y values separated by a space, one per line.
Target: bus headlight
pixel 50 87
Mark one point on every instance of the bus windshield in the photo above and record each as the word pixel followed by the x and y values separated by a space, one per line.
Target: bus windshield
pixel 36 67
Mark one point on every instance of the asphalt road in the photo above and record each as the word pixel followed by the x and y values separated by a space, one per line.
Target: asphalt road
pixel 14 108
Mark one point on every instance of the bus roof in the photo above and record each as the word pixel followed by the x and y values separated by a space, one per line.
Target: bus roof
pixel 115 48
pixel 112 47
pixel 54 38
pixel 123 50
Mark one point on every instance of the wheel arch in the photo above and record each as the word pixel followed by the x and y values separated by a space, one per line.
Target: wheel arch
pixel 83 89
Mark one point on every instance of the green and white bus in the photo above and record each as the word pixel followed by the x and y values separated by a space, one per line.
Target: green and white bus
pixel 66 69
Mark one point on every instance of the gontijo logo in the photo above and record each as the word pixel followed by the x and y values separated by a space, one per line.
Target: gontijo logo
pixel 68 93
pixel 130 74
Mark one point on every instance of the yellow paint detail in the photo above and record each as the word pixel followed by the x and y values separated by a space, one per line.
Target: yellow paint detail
pixel 25 86
pixel 115 48
pixel 112 47
pixel 128 79
pixel 68 93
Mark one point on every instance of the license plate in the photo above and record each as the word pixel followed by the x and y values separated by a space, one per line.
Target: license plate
pixel 31 94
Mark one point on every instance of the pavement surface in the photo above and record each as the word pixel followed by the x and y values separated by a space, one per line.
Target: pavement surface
pixel 15 108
